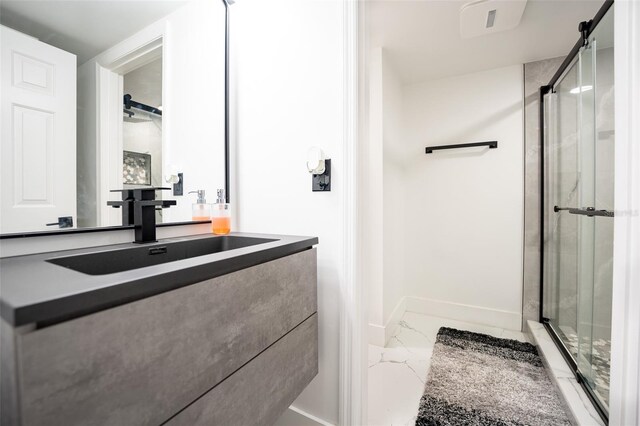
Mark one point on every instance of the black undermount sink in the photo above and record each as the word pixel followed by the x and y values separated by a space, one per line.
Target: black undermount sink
pixel 112 261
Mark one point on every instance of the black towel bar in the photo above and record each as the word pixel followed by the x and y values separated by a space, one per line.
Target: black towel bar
pixel 490 144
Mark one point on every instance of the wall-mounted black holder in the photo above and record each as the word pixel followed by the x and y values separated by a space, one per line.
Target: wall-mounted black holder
pixel 322 182
pixel 178 188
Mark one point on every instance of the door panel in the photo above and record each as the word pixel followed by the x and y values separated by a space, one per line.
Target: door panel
pixel 564 177
pixel 33 141
pixel 598 136
pixel 32 74
pixel 579 141
pixel 586 236
pixel 38 159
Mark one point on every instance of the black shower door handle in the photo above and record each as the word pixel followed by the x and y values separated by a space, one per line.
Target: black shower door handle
pixel 587 211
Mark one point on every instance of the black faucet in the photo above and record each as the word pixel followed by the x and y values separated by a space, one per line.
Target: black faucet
pixel 139 209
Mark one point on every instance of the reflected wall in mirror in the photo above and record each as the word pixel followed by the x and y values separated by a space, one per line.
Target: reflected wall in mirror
pixel 104 95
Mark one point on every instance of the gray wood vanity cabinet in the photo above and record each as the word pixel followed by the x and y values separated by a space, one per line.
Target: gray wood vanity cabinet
pixel 235 349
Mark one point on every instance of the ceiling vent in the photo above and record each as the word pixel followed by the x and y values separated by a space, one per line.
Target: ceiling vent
pixel 490 16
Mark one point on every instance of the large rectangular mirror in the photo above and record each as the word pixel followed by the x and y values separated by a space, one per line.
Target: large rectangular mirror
pixel 107 95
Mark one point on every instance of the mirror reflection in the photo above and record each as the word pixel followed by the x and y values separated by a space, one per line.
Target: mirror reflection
pixel 100 96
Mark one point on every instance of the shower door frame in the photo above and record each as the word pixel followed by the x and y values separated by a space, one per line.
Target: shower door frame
pixel 586 28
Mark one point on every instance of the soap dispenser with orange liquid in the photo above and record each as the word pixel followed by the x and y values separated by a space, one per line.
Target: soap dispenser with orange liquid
pixel 200 209
pixel 221 215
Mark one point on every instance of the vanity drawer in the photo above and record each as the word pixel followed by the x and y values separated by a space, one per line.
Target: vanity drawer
pixel 261 391
pixel 142 362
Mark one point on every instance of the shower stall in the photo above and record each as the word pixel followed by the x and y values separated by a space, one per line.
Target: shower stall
pixel 577 142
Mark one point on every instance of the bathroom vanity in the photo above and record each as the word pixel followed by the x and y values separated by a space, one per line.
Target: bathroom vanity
pixel 196 330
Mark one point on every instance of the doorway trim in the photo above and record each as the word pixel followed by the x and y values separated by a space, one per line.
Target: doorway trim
pixel 624 408
pixel 353 314
pixel 128 55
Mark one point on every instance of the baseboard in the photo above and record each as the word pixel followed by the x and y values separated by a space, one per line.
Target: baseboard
pixel 297 417
pixel 468 313
pixel 379 335
pixel 394 319
pixel 376 335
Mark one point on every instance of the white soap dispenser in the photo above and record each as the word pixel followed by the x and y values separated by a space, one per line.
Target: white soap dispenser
pixel 200 210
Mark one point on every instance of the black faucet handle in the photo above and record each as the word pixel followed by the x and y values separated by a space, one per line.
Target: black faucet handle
pixel 139 209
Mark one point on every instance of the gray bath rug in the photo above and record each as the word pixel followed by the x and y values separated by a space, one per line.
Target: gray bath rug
pixel 475 379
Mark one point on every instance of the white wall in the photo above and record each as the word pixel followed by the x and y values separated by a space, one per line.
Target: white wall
pixel 384 246
pixel 288 93
pixel 393 201
pixel 373 214
pixel 193 101
pixel 464 208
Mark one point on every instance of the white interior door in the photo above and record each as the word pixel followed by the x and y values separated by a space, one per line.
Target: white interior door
pixel 38 155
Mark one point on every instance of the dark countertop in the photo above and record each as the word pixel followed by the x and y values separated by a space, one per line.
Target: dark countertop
pixel 33 290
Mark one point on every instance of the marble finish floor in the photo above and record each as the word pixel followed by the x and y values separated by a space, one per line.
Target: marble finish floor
pixel 398 372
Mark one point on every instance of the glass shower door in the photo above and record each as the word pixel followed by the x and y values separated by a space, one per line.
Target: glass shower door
pixel 586 200
pixel 578 234
pixel 597 124
pixel 563 179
